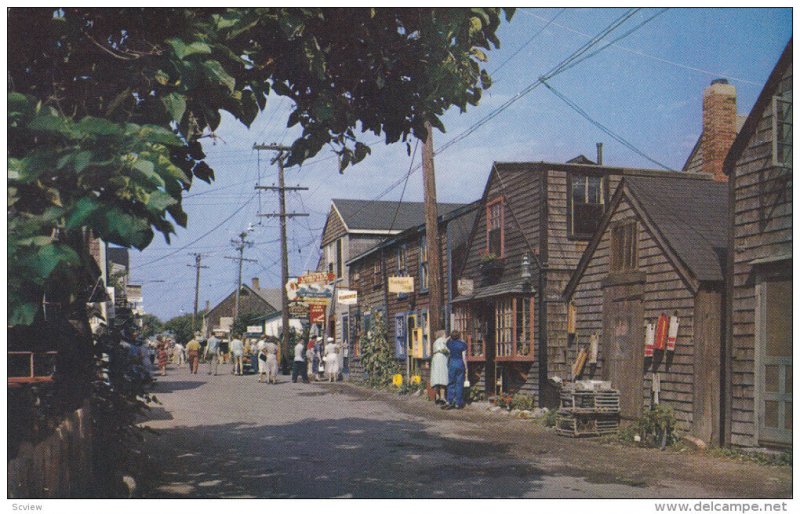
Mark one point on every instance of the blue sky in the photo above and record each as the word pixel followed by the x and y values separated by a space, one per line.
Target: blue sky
pixel 646 88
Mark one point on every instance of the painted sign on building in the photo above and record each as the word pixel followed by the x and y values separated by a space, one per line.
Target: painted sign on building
pixel 254 329
pixel 298 310
pixel 465 286
pixel 302 289
pixel 401 284
pixel 347 297
pixel 316 314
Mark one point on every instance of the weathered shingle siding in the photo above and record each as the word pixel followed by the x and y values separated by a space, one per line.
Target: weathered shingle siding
pixel 762 228
pixel 664 292
pixel 334 228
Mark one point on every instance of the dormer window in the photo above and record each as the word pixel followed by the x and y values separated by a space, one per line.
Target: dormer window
pixel 586 204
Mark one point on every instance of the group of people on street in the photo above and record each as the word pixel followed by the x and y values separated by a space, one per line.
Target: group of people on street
pixel 317 359
pixel 449 369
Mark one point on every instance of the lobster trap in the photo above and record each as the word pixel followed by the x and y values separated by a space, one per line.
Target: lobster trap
pixel 588 409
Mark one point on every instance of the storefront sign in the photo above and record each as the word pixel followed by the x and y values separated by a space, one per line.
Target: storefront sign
pixel 401 284
pixel 347 297
pixel 298 310
pixel 254 329
pixel 465 286
pixel 316 314
pixel 316 278
pixel 308 291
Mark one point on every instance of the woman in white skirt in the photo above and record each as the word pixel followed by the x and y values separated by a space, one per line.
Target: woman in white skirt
pixel 271 364
pixel 439 374
pixel 331 360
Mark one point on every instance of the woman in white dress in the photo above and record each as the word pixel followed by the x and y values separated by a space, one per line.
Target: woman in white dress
pixel 271 365
pixel 331 360
pixel 439 376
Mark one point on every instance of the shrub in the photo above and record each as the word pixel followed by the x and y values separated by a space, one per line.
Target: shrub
pixel 377 355
pixel 523 401
pixel 657 427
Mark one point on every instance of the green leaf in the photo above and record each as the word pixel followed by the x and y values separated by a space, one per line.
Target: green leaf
pixel 219 75
pixel 49 257
pixel 99 126
pixel 182 50
pixel 81 161
pixel 78 215
pixel 159 201
pixel 19 104
pixel 203 171
pixel 160 135
pixel 161 77
pixel 175 105
pixel 53 124
pixel 22 313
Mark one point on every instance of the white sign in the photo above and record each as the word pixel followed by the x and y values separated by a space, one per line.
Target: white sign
pixel 465 286
pixel 254 329
pixel 347 297
pixel 401 284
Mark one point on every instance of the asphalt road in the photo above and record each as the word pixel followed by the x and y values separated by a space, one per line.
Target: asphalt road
pixel 231 437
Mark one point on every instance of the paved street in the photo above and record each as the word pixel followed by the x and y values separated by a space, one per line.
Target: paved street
pixel 228 436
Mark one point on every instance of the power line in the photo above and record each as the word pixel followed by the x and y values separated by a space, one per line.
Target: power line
pixel 526 43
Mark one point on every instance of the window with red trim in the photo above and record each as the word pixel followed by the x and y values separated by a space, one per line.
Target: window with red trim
pixel 494 227
pixel 514 328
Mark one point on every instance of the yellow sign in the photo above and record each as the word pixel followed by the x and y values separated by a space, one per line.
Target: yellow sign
pixel 401 284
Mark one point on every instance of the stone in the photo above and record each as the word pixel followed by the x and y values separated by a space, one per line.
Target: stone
pixel 694 441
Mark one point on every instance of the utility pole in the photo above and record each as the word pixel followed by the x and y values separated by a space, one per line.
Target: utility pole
pixel 432 235
pixel 283 215
pixel 197 264
pixel 240 245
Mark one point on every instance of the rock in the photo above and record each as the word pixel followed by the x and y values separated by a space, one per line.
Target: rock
pixel 515 413
pixel 504 412
pixel 130 485
pixel 694 441
pixel 495 408
pixel 637 438
pixel 525 414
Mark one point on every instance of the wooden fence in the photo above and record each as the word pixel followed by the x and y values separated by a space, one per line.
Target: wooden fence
pixel 58 467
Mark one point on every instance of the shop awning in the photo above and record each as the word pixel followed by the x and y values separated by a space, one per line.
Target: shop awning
pixel 516 287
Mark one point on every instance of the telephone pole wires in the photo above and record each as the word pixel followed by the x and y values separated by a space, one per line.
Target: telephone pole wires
pixel 198 258
pixel 280 157
pixel 240 245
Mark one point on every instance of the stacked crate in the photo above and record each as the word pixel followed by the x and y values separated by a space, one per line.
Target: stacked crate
pixel 588 410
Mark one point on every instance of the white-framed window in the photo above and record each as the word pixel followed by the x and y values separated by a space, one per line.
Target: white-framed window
pixel 586 207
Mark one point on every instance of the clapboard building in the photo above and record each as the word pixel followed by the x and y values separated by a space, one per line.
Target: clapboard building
pixel 253 300
pixel 758 355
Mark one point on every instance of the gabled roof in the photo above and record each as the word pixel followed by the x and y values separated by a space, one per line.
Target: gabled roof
pixel 688 219
pixel 764 100
pixel 380 215
pixel 271 296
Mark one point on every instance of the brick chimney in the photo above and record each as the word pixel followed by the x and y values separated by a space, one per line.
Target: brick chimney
pixel 255 283
pixel 719 126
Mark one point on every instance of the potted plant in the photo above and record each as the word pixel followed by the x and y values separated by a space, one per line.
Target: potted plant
pixel 491 265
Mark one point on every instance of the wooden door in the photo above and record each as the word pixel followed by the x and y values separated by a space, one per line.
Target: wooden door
pixel 623 348
pixel 774 341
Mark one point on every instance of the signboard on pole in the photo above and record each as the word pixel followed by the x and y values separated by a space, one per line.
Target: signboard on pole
pixel 308 291
pixel 298 310
pixel 401 284
pixel 316 278
pixel 316 314
pixel 347 297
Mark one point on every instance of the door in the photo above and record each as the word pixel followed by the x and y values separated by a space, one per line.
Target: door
pixel 774 348
pixel 623 348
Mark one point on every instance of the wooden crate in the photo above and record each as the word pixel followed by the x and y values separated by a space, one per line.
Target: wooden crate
pixel 572 424
pixel 587 402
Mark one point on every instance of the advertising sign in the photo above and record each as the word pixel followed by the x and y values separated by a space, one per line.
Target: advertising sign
pixel 316 314
pixel 316 278
pixel 347 297
pixel 465 286
pixel 254 329
pixel 309 292
pixel 401 284
pixel 298 310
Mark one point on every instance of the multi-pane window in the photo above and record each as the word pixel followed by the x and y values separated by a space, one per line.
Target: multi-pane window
pixel 624 247
pixel 504 327
pixel 423 264
pixel 470 329
pixel 494 227
pixel 524 331
pixel 330 258
pixel 586 204
pixel 782 129
pixel 376 274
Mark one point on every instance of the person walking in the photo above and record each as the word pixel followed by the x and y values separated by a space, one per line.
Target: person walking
pixel 456 371
pixel 237 354
pixel 212 354
pixel 193 351
pixel 319 348
pixel 299 364
pixel 271 364
pixel 312 364
pixel 178 355
pixel 331 360
pixel 439 373
pixel 162 355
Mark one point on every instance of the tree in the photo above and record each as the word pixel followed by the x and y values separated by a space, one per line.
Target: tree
pixel 377 354
pixel 107 109
pixel 151 325
pixel 181 326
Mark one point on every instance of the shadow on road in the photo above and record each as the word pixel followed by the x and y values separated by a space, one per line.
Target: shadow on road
pixel 171 387
pixel 350 457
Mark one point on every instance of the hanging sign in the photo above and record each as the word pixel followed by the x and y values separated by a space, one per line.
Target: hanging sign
pixel 316 278
pixel 347 297
pixel 254 329
pixel 401 284
pixel 308 291
pixel 316 314
pixel 466 286
pixel 298 310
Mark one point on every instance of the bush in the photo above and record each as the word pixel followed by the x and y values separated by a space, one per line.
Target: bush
pixel 550 418
pixel 657 427
pixel 523 401
pixel 377 355
pixel 476 394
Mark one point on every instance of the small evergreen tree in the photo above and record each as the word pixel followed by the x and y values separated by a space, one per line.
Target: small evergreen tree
pixel 377 355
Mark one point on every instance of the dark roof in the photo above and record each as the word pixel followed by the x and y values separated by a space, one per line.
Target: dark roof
pixel 581 159
pixel 764 99
pixel 692 216
pixel 504 288
pixel 380 215
pixel 271 296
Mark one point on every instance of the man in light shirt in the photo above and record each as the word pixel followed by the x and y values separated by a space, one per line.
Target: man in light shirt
pixel 299 364
pixel 237 353
pixel 212 354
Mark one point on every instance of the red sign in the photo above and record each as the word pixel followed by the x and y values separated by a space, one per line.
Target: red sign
pixel 316 278
pixel 316 313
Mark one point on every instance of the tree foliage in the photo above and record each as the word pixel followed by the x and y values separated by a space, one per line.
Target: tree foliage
pixel 107 107
pixel 181 326
pixel 151 325
pixel 377 354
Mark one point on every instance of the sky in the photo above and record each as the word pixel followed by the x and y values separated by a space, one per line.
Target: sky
pixel 646 88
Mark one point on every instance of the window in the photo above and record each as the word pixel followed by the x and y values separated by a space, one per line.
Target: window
pixel 586 204
pixel 426 329
pixel 494 227
pixel 330 258
pixel 504 323
pixel 339 260
pixel 524 332
pixel 400 336
pixel 463 322
pixel 782 130
pixel 624 247
pixel 423 264
pixel 376 274
pixel 402 261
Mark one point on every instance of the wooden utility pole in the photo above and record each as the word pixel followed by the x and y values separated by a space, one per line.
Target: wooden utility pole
pixel 432 236
pixel 240 245
pixel 279 158
pixel 197 260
